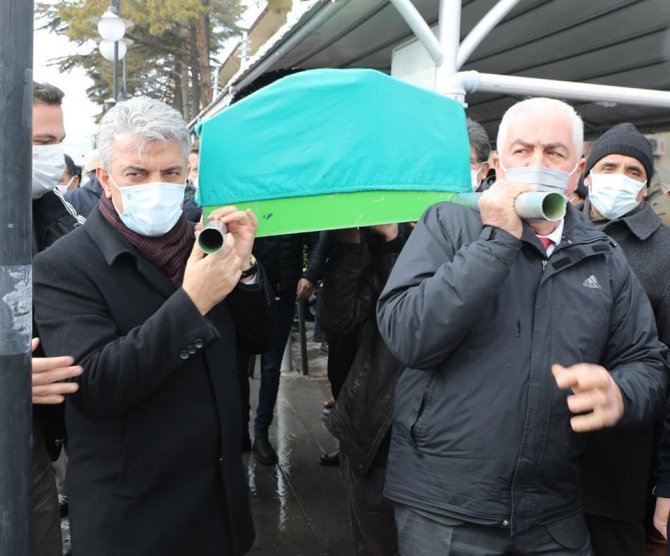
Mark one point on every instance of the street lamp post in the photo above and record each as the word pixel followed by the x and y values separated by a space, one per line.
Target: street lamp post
pixel 112 28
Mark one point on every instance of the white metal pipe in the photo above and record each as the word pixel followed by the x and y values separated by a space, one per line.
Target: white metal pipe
pixel 481 30
pixel 515 85
pixel 421 29
pixel 449 34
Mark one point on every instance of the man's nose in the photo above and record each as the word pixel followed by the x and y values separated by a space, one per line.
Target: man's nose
pixel 537 158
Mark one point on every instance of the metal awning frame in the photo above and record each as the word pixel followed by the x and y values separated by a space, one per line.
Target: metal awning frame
pixel 449 56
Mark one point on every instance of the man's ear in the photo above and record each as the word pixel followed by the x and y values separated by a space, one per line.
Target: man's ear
pixel 103 178
pixel 484 170
pixel 642 194
pixel 494 162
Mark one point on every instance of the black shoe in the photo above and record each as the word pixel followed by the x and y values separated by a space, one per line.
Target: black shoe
pixel 263 451
pixel 330 459
pixel 246 442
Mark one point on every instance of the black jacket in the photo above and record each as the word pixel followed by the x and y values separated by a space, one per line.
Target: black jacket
pixel 481 432
pixel 51 221
pixel 154 429
pixel 616 463
pixel 282 259
pixel 85 198
pixel 361 417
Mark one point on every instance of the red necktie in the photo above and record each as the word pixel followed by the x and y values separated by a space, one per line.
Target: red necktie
pixel 546 242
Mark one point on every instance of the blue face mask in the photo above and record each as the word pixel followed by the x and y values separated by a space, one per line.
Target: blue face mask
pixel 151 209
pixel 614 195
pixel 542 178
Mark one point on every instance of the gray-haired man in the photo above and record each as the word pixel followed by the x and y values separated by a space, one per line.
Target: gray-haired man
pixel 154 429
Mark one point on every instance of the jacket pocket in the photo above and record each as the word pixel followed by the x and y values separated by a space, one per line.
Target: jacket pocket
pixel 417 427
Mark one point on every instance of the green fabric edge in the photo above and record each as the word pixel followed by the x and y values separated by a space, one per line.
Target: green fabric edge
pixel 341 210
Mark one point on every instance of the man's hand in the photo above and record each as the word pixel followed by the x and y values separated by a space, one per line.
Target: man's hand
pixel 661 516
pixel 595 394
pixel 209 279
pixel 242 224
pixel 304 290
pixel 48 374
pixel 496 206
pixel 388 231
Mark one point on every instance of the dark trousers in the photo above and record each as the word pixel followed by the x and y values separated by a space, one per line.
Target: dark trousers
pixel 270 369
pixel 372 515
pixel 610 537
pixel 46 512
pixel 420 536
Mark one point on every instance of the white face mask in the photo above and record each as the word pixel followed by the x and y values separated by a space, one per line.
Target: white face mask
pixel 542 178
pixel 64 188
pixel 151 209
pixel 48 168
pixel 614 195
pixel 474 179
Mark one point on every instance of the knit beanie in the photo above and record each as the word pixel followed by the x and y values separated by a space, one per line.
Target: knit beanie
pixel 622 139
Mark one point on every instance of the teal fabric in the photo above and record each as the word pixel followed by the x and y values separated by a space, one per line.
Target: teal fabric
pixel 333 131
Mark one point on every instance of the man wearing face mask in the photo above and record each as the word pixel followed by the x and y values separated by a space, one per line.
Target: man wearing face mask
pixel 480 149
pixel 85 198
pixel 154 463
pixel 52 219
pixel 502 377
pixel 617 463
pixel 71 177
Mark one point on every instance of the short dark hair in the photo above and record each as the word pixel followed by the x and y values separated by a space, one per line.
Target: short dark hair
pixel 45 93
pixel 479 139
pixel 72 168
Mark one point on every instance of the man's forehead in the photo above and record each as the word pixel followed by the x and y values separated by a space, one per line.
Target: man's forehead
pixel 615 159
pixel 48 121
pixel 141 151
pixel 541 127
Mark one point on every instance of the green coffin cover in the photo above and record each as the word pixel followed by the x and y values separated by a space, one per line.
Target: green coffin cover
pixel 324 149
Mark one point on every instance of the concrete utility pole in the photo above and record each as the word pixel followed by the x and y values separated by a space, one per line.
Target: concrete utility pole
pixel 16 63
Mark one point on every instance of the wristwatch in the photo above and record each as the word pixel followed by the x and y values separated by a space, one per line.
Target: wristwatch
pixel 251 270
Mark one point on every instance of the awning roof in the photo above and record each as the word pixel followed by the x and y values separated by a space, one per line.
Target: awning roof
pixel 613 42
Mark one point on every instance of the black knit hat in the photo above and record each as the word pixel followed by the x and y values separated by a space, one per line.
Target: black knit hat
pixel 622 139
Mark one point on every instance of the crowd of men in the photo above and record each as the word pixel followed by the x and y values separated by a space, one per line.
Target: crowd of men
pixel 507 393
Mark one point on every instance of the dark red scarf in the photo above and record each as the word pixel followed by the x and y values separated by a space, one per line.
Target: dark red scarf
pixel 168 252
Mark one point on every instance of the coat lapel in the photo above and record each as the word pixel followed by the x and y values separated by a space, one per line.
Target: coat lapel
pixel 113 245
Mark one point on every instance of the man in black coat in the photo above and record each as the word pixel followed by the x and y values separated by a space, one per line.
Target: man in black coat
pixel 52 219
pixel 617 463
pixel 516 338
pixel 154 429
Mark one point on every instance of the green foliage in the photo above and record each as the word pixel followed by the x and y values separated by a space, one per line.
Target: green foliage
pixel 163 61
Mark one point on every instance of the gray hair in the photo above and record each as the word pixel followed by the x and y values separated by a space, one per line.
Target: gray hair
pixel 479 139
pixel 146 119
pixel 543 104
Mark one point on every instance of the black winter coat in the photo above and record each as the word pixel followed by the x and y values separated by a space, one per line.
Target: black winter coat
pixel 616 463
pixel 282 260
pixel 361 417
pixel 154 429
pixel 481 432
pixel 51 221
pixel 85 198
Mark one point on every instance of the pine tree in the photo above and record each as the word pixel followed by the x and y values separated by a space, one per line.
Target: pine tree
pixel 172 53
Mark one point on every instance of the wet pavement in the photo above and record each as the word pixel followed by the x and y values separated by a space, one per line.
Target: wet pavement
pixel 299 507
